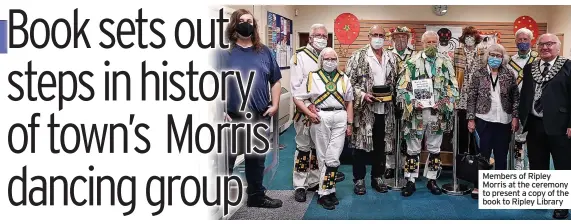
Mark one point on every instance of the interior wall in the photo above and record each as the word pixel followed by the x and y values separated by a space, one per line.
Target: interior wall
pixel 308 15
pixel 560 22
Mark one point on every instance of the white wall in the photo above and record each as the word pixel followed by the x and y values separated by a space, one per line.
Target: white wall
pixel 309 15
pixel 560 22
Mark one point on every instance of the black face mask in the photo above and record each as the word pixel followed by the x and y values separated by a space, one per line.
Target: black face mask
pixel 245 29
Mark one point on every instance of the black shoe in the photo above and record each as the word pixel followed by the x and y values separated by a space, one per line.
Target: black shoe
pixel 264 202
pixel 359 188
pixel 433 187
pixel 300 195
pixel 313 188
pixel 339 177
pixel 560 214
pixel 379 185
pixel 409 189
pixel 334 198
pixel 326 202
pixel 389 173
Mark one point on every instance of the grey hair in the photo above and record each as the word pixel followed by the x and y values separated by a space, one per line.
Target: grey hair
pixel 323 52
pixel 526 31
pixel 497 48
pixel 315 27
pixel 553 35
pixel 428 33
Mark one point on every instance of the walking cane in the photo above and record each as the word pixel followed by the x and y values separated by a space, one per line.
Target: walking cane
pixel 455 188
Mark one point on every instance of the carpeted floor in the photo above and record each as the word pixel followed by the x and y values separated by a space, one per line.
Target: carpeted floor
pixel 373 205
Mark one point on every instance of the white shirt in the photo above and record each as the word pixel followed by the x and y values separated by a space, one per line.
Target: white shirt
pixel 521 62
pixel 305 65
pixel 541 68
pixel 318 88
pixel 496 113
pixel 378 72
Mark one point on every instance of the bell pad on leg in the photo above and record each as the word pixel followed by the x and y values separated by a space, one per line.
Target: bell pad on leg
pixel 329 178
pixel 313 160
pixel 434 162
pixel 411 164
pixel 302 161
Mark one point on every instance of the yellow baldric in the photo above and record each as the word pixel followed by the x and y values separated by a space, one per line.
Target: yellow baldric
pixel 518 69
pixel 330 86
pixel 307 51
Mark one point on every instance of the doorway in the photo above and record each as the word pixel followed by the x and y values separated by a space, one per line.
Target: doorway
pixel 561 38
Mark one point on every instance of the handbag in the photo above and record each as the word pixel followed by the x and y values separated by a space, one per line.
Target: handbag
pixel 468 164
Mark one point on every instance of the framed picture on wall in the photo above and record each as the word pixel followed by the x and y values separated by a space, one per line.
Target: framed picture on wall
pixel 280 38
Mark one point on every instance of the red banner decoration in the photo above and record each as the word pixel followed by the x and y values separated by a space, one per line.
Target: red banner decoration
pixel 347 28
pixel 529 23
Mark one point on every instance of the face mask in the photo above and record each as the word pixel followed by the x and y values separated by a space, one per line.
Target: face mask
pixel 245 29
pixel 470 41
pixel 400 45
pixel 494 62
pixel 329 66
pixel 523 46
pixel 377 43
pixel 430 51
pixel 320 43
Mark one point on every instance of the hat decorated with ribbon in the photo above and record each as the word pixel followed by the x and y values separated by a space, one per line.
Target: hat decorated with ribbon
pixel 402 30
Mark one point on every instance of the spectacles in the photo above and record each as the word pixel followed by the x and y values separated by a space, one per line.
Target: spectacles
pixel 547 44
pixel 319 36
pixel 377 35
pixel 496 55
pixel 330 59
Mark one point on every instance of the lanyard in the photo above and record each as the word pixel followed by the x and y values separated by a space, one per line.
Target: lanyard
pixel 494 82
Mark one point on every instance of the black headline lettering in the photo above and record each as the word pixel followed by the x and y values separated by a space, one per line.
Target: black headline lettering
pixel 126 27
pixel 191 190
pixel 235 129
pixel 78 32
pixel 47 80
pixel 115 32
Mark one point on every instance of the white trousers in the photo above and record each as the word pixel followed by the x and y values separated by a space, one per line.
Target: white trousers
pixel 391 160
pixel 305 173
pixel 433 142
pixel 329 139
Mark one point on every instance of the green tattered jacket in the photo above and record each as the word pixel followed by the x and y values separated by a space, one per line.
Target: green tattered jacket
pixel 445 87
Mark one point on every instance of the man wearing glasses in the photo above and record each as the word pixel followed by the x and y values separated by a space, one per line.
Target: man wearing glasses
pixel 304 61
pixel 373 73
pixel 545 109
pixel 525 55
pixel 427 118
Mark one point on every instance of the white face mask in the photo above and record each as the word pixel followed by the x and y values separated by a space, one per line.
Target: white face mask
pixel 319 43
pixel 329 66
pixel 377 43
pixel 470 41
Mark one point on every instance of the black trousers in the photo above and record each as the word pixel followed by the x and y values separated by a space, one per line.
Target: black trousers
pixel 541 146
pixel 255 163
pixel 496 137
pixel 377 156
